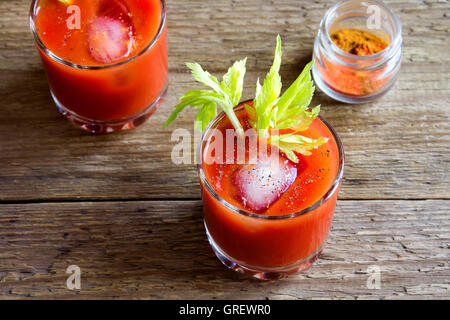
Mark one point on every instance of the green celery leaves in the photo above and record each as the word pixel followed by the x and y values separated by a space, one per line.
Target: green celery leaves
pixel 290 111
pixel 269 112
pixel 225 94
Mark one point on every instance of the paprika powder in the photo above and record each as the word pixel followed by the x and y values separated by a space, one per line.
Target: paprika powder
pixel 355 61
pixel 359 42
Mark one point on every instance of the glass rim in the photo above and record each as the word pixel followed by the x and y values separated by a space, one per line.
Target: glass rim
pixel 388 51
pixel 327 195
pixel 56 58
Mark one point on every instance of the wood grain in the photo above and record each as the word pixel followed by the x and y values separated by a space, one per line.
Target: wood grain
pixel 131 219
pixel 396 148
pixel 158 249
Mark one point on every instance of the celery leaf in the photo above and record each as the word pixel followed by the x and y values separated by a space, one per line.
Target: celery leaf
pixel 267 95
pixel 292 142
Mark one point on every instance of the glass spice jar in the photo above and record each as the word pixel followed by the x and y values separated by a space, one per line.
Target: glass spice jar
pixel 352 78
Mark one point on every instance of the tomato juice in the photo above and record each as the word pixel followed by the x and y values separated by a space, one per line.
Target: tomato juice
pixel 109 72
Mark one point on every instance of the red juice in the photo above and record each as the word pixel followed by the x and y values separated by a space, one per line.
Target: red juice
pixel 110 73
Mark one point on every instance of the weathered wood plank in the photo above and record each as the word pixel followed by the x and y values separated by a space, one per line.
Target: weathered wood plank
pixel 217 30
pixel 397 147
pixel 158 249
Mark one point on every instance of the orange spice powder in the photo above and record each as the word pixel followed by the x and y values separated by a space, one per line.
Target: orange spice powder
pixel 359 42
pixel 345 79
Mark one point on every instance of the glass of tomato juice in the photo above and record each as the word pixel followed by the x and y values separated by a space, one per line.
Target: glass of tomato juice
pixel 286 234
pixel 106 61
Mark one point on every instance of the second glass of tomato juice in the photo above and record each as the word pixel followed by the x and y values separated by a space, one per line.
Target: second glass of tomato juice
pixel 106 61
pixel 270 170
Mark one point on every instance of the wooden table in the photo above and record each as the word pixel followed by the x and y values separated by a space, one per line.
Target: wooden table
pixel 117 207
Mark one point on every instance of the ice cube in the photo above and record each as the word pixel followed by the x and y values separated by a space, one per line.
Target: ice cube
pixel 262 183
pixel 111 33
pixel 109 40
